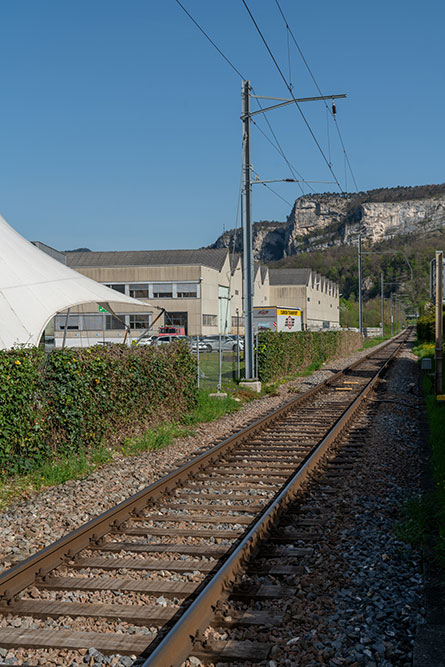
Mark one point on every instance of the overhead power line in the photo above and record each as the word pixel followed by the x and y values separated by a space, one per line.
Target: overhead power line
pixel 278 148
pixel 277 144
pixel 292 94
pixel 229 62
pixel 289 30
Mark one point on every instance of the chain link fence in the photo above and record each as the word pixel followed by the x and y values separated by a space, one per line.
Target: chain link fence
pixel 220 360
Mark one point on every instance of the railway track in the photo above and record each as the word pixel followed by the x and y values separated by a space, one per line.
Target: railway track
pixel 147 577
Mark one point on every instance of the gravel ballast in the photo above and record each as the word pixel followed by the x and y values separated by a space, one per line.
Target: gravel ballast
pixel 27 525
pixel 382 574
pixel 359 589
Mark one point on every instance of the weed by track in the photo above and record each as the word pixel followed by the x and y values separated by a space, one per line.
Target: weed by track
pixel 423 519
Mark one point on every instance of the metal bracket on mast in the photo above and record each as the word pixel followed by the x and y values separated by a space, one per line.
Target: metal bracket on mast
pixel 246 212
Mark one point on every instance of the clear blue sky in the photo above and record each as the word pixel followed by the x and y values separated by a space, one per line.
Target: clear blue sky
pixel 120 123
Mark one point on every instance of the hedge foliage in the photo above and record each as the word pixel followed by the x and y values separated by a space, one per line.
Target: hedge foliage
pixel 285 354
pixel 73 400
pixel 426 328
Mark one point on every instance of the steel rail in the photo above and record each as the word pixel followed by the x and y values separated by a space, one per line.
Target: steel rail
pixel 177 644
pixel 14 580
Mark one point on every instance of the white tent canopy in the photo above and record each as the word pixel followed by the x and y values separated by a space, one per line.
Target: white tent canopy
pixel 34 287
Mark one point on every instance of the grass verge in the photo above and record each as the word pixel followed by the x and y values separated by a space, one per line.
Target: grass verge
pixel 425 517
pixel 81 464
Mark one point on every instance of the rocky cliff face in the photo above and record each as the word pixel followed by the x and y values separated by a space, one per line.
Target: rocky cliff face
pixel 268 240
pixel 321 221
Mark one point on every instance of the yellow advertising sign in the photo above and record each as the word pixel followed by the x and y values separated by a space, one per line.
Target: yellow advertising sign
pixel 295 313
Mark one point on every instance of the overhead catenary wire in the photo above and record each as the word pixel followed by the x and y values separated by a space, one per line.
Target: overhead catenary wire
pixel 292 95
pixel 277 194
pixel 269 188
pixel 334 116
pixel 237 71
pixel 279 149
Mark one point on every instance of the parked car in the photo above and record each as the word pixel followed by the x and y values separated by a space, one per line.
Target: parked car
pixel 148 339
pixel 199 345
pixel 164 339
pixel 227 343
pixel 233 343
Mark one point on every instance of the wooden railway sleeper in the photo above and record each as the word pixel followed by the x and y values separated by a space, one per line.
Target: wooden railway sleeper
pixel 97 540
pixel 98 537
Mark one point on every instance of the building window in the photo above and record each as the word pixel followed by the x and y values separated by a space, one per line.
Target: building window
pixel 162 291
pixel 319 303
pixel 186 290
pixel 331 305
pixel 178 321
pixel 93 322
pixel 140 321
pixel 237 292
pixel 237 321
pixel 210 320
pixel 139 291
pixel 117 288
pixel 112 322
pixel 309 298
pixel 61 320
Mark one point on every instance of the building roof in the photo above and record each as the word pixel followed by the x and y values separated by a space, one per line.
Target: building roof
pixel 34 287
pixel 52 252
pixel 289 276
pixel 264 271
pixel 235 258
pixel 213 258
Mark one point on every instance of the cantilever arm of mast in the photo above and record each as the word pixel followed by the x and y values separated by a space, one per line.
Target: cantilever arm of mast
pixel 285 101
pixel 288 180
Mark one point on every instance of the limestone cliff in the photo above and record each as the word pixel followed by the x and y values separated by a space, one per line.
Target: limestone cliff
pixel 267 239
pixel 321 221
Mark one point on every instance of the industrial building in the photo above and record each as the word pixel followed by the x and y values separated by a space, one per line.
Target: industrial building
pixel 314 294
pixel 200 290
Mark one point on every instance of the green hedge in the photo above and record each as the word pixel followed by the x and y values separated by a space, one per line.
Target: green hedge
pixel 426 328
pixel 286 354
pixel 72 400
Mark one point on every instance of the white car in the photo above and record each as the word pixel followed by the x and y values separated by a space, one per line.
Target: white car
pixel 164 339
pixel 227 343
pixel 148 339
pixel 200 345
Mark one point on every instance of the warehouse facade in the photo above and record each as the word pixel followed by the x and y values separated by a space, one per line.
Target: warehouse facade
pixel 200 290
pixel 314 294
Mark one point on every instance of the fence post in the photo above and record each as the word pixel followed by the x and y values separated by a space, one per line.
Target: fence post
pixel 220 364
pixel 197 357
pixel 438 354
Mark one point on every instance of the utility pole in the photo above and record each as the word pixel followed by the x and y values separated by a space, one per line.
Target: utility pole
pixel 246 209
pixel 382 297
pixel 439 321
pixel 392 316
pixel 360 303
pixel 247 236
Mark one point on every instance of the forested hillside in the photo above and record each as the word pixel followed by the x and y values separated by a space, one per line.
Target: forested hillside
pixel 388 257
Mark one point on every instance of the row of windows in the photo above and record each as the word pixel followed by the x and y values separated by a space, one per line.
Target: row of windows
pixel 212 321
pixel 158 290
pixel 100 322
pixel 309 298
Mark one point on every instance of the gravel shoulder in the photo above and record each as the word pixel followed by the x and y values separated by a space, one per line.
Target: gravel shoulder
pixel 30 524
pixel 359 593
